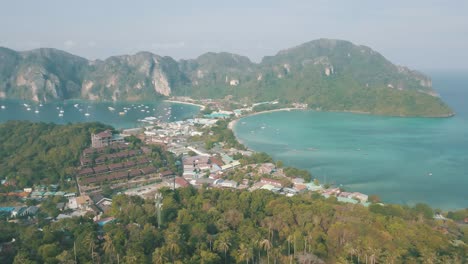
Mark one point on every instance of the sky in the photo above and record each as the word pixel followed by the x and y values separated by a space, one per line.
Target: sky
pixel 421 34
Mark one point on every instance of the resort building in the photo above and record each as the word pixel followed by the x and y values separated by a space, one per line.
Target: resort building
pixel 104 139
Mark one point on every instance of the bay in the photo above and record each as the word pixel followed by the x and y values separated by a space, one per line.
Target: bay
pixel 402 160
pixel 119 114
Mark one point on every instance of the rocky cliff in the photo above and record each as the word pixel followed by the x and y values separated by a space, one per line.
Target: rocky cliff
pixel 326 74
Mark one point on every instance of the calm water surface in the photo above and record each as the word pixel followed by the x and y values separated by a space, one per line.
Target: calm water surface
pixel 403 160
pixel 105 112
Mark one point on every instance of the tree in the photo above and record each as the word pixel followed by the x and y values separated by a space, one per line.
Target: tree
pixel 160 256
pixel 244 253
pixel 223 243
pixel 90 242
pixel 108 246
pixel 266 245
pixel 208 257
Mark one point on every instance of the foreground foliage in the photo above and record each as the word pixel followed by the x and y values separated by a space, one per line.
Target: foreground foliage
pixel 224 226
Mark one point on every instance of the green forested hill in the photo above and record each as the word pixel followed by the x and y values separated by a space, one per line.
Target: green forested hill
pixel 224 226
pixel 327 74
pixel 33 153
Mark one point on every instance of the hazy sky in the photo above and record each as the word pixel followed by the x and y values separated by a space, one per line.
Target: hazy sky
pixel 422 34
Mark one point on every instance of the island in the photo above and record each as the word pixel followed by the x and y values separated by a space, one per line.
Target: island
pixel 324 74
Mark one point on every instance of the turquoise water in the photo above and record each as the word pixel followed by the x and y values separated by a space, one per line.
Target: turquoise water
pixel 403 160
pixel 85 111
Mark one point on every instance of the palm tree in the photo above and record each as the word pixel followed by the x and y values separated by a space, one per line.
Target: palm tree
pixel 223 244
pixel 210 239
pixel 172 243
pixel 89 241
pixel 108 246
pixel 266 245
pixel 244 253
pixel 290 239
pixel 159 257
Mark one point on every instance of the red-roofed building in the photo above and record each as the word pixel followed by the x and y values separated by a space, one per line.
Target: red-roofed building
pixel 216 161
pixel 181 182
pixel 273 182
pixel 86 171
pixel 166 174
pixel 101 169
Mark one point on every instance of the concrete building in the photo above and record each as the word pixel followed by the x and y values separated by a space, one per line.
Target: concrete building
pixel 105 138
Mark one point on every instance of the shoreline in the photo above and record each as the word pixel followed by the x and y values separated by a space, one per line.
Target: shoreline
pixel 233 123
pixel 202 107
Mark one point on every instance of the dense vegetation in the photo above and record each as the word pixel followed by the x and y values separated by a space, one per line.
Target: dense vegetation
pixel 224 226
pixel 42 153
pixel 326 74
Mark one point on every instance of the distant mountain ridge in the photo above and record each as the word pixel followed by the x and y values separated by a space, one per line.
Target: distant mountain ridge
pixel 327 74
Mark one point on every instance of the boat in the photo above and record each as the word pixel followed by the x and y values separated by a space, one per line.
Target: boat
pixel 122 113
pixel 29 108
pixel 40 105
pixel 75 105
pixel 61 111
pixel 111 108
pixel 37 111
pixel 86 114
pixel 26 105
pixel 3 107
pixel 60 114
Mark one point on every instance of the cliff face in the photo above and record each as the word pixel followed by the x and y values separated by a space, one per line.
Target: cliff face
pixel 48 74
pixel 326 74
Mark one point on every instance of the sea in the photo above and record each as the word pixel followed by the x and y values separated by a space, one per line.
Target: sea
pixel 402 160
pixel 120 115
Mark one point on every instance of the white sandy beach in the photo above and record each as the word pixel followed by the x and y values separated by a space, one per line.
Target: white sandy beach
pixel 202 107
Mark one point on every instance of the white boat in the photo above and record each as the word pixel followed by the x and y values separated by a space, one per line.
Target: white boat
pixel 61 111
pixel 60 115
pixel 40 105
pixel 37 111
pixel 3 107
pixel 122 113
pixel 26 105
pixel 111 108
pixel 86 114
pixel 29 109
pixel 75 105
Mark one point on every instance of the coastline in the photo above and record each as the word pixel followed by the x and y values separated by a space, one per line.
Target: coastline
pixel 202 107
pixel 233 123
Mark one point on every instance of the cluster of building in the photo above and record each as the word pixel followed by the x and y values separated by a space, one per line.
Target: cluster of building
pixel 18 211
pixel 111 163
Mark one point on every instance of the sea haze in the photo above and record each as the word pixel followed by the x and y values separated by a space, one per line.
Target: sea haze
pixel 403 160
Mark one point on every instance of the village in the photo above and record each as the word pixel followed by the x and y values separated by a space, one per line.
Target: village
pixel 115 165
